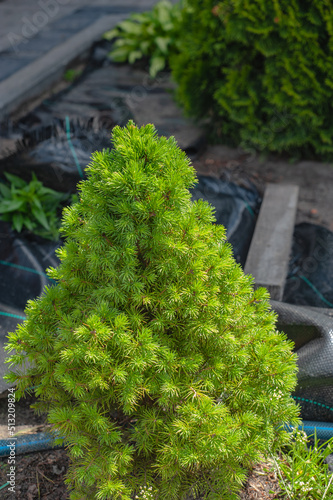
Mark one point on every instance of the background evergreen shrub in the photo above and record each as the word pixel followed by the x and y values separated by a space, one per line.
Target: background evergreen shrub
pixel 153 356
pixel 261 71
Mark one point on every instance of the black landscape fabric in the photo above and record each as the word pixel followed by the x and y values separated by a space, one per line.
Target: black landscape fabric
pixel 23 263
pixel 236 208
pixel 310 277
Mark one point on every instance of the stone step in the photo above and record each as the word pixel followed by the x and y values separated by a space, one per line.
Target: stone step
pixel 269 252
pixel 39 75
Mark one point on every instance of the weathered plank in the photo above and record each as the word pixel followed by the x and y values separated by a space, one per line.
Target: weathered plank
pixel 269 252
pixel 42 73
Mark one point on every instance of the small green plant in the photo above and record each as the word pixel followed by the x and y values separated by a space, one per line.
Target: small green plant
pixel 302 471
pixel 152 34
pixel 31 206
pixel 158 364
pixel 71 75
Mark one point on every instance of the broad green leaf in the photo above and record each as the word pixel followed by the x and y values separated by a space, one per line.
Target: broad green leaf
pixel 162 43
pixel 109 35
pixel 130 27
pixel 133 56
pixel 141 18
pixel 163 12
pixel 16 181
pixel 151 30
pixel 130 43
pixel 168 27
pixel 144 46
pixel 10 205
pixel 4 190
pixel 18 222
pixel 157 63
pixel 120 55
pixel 41 217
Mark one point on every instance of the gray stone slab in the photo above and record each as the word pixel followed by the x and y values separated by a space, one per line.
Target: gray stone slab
pixel 42 43
pixel 76 21
pixel 16 15
pixel 10 65
pixel 160 109
pixel 269 252
pixel 35 78
pixel 130 79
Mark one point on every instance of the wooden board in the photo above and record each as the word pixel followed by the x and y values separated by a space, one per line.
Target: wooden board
pixel 270 248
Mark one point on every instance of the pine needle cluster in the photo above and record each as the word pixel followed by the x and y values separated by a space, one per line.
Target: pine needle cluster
pixel 159 366
pixel 261 72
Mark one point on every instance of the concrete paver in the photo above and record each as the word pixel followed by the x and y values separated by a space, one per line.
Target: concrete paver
pixel 22 18
pixel 39 38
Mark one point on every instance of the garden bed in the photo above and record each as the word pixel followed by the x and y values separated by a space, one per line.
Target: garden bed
pixel 41 474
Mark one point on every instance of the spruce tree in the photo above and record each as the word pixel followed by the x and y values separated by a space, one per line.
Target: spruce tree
pixel 159 366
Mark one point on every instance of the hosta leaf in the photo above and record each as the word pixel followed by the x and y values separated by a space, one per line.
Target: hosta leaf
pixel 109 35
pixel 142 18
pixel 144 46
pixel 157 63
pixel 163 12
pixel 133 56
pixel 130 27
pixel 120 55
pixel 162 44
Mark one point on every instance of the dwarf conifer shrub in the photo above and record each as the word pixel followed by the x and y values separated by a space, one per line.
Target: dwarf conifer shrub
pixel 157 363
pixel 261 71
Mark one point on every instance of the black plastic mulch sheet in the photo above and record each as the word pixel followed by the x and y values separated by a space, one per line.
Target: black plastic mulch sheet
pixel 312 333
pixel 306 316
pixel 57 154
pixel 22 277
pixel 236 208
pixel 310 276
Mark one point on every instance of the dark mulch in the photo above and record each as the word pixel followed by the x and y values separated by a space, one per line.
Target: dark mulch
pixel 38 475
pixel 262 484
